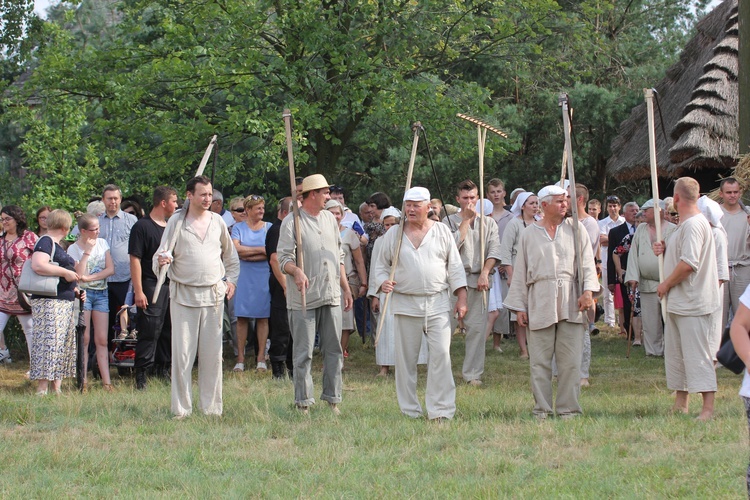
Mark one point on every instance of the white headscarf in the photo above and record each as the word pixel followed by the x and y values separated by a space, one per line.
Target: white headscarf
pixel 517 207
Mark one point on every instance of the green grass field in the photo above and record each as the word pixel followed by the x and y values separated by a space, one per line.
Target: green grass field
pixel 627 444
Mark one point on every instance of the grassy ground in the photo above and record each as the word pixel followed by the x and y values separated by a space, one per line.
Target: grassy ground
pixel 626 445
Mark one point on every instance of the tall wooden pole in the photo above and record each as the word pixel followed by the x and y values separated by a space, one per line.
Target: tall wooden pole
pixel 400 236
pixel 287 115
pixel 744 75
pixel 567 127
pixel 649 95
pixel 482 139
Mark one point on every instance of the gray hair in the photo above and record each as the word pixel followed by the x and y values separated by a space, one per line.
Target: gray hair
pixel 630 204
pixel 218 195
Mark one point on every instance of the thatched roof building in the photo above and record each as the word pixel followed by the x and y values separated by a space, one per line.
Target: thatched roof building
pixel 699 105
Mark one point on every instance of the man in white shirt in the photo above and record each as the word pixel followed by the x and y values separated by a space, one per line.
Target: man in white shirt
pixel 607 223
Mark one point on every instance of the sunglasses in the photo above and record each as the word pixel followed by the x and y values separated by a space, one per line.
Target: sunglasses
pixel 613 199
pixel 239 210
pixel 255 197
pixel 674 214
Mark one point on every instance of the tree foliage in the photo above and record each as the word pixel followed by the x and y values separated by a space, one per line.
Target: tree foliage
pixel 131 91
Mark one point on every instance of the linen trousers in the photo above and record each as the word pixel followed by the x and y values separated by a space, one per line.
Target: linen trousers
pixel 564 342
pixel 326 320
pixel 608 300
pixel 440 393
pixel 687 353
pixel 653 324
pixel 475 323
pixel 196 330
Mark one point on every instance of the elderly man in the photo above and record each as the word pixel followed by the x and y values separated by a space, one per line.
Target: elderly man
pixel 217 207
pixel 545 295
pixel 466 232
pixel 203 268
pixel 691 286
pixel 322 281
pixel 643 272
pixel 735 222
pixel 429 270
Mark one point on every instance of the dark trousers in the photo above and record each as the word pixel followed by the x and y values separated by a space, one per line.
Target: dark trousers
pixel 280 335
pixel 362 317
pixel 154 330
pixel 626 307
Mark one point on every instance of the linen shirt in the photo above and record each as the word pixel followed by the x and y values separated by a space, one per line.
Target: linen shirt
pixel 470 249
pixel 643 264
pixel 693 244
pixel 425 276
pixel 116 232
pixel 738 235
pixel 509 245
pixel 199 266
pixel 322 259
pixel 545 283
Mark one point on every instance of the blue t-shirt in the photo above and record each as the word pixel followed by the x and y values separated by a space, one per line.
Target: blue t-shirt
pixel 65 290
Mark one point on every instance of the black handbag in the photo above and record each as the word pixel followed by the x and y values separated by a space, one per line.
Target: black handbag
pixel 727 355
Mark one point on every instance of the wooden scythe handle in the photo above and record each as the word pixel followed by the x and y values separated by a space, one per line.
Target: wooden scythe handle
pixel 400 236
pixel 649 96
pixel 295 209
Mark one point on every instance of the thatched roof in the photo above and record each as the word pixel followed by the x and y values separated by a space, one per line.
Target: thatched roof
pixel 699 105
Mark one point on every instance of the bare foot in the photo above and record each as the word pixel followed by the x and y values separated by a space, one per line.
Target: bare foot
pixel 679 409
pixel 705 416
pixel 585 382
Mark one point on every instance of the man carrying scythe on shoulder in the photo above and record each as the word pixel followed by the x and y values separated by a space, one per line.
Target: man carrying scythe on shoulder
pixel 322 280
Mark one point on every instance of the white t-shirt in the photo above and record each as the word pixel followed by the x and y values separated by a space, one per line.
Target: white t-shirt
pixel 745 389
pixel 96 263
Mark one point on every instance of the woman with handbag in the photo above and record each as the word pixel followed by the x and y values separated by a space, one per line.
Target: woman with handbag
pixel 354 266
pixel 53 352
pixel 18 245
pixel 94 265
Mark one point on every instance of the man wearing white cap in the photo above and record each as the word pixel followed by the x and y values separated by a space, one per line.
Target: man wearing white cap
pixel 545 295
pixel 466 232
pixel 323 280
pixel 643 272
pixel 429 270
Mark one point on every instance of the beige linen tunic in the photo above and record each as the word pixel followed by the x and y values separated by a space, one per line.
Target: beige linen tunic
pixel 469 248
pixel 692 243
pixel 643 264
pixel 509 244
pixel 199 266
pixel 544 278
pixel 322 257
pixel 425 276
pixel 738 236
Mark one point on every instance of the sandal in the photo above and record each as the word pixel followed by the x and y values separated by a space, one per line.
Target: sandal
pixel 239 367
pixel 108 387
pixel 261 367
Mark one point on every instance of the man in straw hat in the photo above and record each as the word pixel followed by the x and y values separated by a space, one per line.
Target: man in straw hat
pixel 691 285
pixel 322 281
pixel 465 228
pixel 429 270
pixel 545 293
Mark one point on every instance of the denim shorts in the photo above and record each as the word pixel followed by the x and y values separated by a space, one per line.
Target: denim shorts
pixel 96 300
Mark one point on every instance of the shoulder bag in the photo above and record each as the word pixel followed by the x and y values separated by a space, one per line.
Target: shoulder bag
pixel 32 283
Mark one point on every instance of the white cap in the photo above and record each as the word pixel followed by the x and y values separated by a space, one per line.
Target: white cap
pixel 710 210
pixel 488 206
pixel 650 204
pixel 551 191
pixel 520 200
pixel 390 212
pixel 417 194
